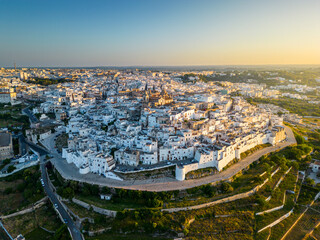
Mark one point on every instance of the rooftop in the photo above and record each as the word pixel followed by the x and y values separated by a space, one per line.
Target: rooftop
pixel 5 139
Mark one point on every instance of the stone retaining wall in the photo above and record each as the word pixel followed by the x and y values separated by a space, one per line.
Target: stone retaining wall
pixel 102 211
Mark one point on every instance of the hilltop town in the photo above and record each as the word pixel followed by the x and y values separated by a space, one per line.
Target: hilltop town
pixel 122 121
pixel 156 152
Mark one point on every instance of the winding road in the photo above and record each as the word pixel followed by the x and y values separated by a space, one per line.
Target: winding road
pixel 65 217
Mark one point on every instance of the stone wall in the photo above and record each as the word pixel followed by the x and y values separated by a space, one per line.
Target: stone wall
pixel 103 211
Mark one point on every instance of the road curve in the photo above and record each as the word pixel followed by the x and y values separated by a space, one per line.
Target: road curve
pixel 74 231
pixel 69 171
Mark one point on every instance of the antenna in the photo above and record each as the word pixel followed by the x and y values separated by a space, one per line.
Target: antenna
pixel 15 66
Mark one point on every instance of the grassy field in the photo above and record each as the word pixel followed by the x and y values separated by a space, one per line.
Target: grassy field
pixel 81 212
pixel 10 202
pixel 240 223
pixel 232 227
pixel 277 200
pixel 100 221
pixel 3 235
pixel 280 229
pixel 301 107
pixel 268 187
pixel 39 234
pixel 11 116
pixel 305 224
pixel 277 196
pixel 316 233
pixel 20 190
pixel 44 217
pixel 313 121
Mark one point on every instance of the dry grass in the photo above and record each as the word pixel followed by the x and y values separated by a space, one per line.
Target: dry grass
pixel 305 225
pixel 43 217
pixel 10 202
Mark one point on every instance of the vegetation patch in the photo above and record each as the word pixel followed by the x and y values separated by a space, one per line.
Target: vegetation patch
pixel 199 173
pixel 12 118
pixel 301 107
pixel 62 141
pixel 26 224
pixel 20 190
pixel 48 81
pixel 153 174
pixel 305 225
pixel 254 149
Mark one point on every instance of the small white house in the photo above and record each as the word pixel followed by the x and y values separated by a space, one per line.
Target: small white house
pixel 105 196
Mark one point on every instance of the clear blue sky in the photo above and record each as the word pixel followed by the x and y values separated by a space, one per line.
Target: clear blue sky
pixel 159 32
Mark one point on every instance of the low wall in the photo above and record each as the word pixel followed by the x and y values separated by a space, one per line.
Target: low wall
pixel 38 204
pixel 19 169
pixel 275 208
pixel 223 200
pixel 277 221
pixel 94 233
pixel 103 211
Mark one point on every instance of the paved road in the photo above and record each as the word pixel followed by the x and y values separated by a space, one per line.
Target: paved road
pixel 75 233
pixel 36 148
pixel 32 118
pixel 69 171
pixel 22 144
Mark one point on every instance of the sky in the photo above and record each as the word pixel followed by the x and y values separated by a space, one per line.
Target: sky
pixel 54 33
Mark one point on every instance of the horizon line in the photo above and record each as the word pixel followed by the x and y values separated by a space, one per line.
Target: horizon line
pixel 170 66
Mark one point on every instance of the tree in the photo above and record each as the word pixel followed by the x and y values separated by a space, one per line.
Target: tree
pixel 258 179
pixel 154 203
pixel 136 215
pixel 68 192
pixel 99 219
pixel 86 191
pixel 208 190
pixel 260 200
pixel 154 225
pixel 226 187
pixel 11 168
pixel 267 167
pixel 310 181
pixel 8 190
pixel 299 139
pixel 308 158
pixel 61 233
pixel 94 190
pixel 105 190
pixel 295 165
pixel 27 193
pixel 268 189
